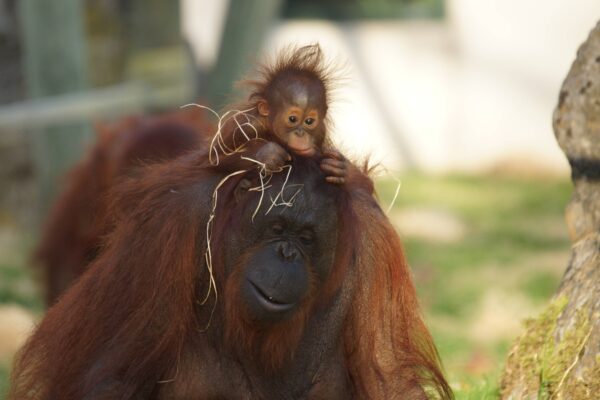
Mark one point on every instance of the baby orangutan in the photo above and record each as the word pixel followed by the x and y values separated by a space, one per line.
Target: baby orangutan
pixel 288 109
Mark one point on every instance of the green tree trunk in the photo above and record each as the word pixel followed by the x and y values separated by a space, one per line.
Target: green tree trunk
pixel 245 29
pixel 53 45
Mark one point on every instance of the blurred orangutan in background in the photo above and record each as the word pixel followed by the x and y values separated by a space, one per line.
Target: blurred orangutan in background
pixel 80 216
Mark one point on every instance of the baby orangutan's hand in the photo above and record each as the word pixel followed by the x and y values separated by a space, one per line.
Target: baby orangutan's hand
pixel 273 156
pixel 335 167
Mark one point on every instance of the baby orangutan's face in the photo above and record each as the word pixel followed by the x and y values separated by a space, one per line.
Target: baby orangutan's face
pixel 298 119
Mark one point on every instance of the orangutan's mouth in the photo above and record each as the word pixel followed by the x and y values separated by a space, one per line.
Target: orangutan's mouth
pixel 269 302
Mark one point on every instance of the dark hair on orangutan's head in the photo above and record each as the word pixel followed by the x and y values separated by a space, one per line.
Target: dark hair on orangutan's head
pixel 306 62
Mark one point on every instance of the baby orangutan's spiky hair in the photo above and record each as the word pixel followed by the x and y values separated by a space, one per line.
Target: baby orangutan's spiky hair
pixel 306 62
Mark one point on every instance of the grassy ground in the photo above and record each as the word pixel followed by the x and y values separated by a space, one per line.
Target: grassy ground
pixel 486 252
pixel 502 257
pixel 17 287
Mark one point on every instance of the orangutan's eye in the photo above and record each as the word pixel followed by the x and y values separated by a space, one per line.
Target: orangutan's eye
pixel 307 238
pixel 277 228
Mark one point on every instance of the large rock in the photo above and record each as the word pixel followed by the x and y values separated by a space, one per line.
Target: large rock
pixel 558 356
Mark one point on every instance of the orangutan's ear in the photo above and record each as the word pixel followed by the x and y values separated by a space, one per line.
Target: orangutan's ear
pixel 263 108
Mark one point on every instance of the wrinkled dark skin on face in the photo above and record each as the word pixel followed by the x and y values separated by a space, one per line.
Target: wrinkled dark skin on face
pixel 286 253
pixel 281 263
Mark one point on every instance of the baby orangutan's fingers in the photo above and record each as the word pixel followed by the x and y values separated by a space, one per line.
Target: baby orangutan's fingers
pixel 333 154
pixel 332 171
pixel 333 167
pixel 273 156
pixel 334 163
pixel 335 180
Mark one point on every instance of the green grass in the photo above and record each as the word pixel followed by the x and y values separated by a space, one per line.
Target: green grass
pixel 484 390
pixel 540 285
pixel 514 249
pixel 16 286
pixel 512 254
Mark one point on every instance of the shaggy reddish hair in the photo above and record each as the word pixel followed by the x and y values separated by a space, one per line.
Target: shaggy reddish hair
pixel 306 61
pixel 78 220
pixel 135 326
pixel 133 317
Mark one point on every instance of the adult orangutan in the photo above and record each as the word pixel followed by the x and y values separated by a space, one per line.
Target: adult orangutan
pixel 285 113
pixel 80 216
pixel 310 299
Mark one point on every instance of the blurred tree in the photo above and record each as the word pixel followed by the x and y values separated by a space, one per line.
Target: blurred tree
pixel 151 23
pixel 136 40
pixel 559 354
pixel 11 74
pixel 55 63
pixel 107 35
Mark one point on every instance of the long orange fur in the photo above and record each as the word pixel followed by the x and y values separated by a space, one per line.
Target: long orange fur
pixel 135 312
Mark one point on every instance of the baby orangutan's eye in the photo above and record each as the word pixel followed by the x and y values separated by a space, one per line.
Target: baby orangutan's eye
pixel 292 118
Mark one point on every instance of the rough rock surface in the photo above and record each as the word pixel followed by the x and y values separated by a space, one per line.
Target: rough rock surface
pixel 558 356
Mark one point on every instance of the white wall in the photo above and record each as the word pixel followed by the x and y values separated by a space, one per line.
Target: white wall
pixel 514 56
